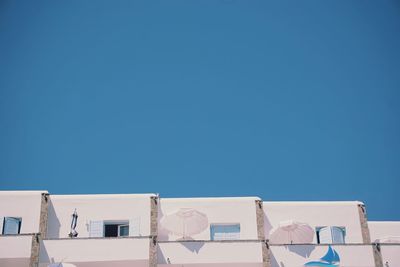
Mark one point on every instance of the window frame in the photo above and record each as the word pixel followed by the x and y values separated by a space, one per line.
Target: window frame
pixel 119 224
pixel 19 224
pixel 212 232
pixel 342 228
pixel 119 229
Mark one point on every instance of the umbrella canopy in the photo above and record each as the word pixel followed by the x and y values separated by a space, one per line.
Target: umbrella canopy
pixel 292 232
pixel 185 222
pixel 73 232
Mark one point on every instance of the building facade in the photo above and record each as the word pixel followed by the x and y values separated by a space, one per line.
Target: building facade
pixel 39 229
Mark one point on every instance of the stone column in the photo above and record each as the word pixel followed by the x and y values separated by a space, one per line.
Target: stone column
pixel 261 234
pixel 153 231
pixel 364 224
pixel 34 261
pixel 366 235
pixel 44 215
pixel 377 255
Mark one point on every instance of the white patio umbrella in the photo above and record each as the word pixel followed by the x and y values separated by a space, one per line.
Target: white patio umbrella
pixel 185 222
pixel 292 232
pixel 73 232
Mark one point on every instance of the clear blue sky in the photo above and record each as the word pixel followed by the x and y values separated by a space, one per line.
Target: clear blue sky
pixel 284 100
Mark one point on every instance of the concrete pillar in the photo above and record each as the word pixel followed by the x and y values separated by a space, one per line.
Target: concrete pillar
pixel 34 261
pixel 153 231
pixel 366 235
pixel 44 215
pixel 266 254
pixel 43 218
pixel 377 255
pixel 261 234
pixel 260 220
pixel 364 224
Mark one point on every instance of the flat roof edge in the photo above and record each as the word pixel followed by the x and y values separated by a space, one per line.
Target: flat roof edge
pixel 100 196
pixel 314 203
pixel 22 192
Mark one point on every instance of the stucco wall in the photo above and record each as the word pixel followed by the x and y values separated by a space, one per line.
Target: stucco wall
pixel 390 255
pixel 298 255
pixel 343 214
pixel 24 204
pixel 94 250
pixel 218 211
pixel 209 252
pixel 379 230
pixel 96 207
pixel 15 246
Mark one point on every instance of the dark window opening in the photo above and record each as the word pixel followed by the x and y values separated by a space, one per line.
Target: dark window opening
pixel 111 230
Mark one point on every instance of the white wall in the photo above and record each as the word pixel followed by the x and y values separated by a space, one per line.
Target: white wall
pixel 94 208
pixel 343 214
pixel 379 230
pixel 298 255
pixel 218 210
pixel 209 252
pixel 390 255
pixel 94 250
pixel 15 246
pixel 24 204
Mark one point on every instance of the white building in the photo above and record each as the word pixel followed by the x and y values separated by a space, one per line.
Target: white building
pixel 38 229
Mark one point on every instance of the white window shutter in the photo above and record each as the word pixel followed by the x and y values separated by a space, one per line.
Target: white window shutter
pixel 1 224
pixel 96 229
pixel 337 235
pixel 325 235
pixel 134 227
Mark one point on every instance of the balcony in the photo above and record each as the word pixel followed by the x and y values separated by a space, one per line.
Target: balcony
pixel 350 255
pixel 100 252
pixel 15 250
pixel 210 253
pixel 390 254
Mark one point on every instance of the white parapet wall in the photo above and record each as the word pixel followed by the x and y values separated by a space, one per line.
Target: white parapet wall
pixel 96 252
pixel 15 251
pixel 316 214
pixel 390 255
pixel 387 233
pixel 240 211
pixel 132 208
pixel 22 204
pixel 300 255
pixel 210 254
pixel 384 230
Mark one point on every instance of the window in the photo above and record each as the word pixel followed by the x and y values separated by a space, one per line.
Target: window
pixel 116 229
pixel 331 235
pixel 109 228
pixel 11 225
pixel 225 231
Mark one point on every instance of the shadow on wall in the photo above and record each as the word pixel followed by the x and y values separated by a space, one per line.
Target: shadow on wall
pixel 304 251
pixel 193 246
pixel 267 226
pixel 43 256
pixel 161 259
pixel 274 263
pixel 53 225
pixel 162 233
